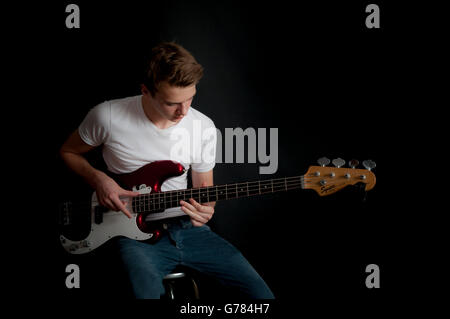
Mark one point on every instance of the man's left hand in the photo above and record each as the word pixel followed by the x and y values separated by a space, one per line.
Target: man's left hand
pixel 200 214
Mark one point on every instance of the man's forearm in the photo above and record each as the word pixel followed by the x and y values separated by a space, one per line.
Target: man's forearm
pixel 81 166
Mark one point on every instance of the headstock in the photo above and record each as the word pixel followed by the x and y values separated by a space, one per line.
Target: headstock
pixel 327 180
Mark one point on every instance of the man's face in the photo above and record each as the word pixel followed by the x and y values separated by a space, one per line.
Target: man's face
pixel 171 102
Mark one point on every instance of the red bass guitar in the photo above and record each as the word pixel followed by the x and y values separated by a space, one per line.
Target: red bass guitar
pixel 150 205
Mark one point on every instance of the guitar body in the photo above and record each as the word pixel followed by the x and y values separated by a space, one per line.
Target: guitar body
pixel 106 224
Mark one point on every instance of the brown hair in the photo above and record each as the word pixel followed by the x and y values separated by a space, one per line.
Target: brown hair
pixel 170 62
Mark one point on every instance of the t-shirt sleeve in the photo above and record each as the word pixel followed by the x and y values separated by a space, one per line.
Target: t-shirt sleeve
pixel 95 128
pixel 208 150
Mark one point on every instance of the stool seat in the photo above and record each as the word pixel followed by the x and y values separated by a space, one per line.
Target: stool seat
pixel 175 275
pixel 170 283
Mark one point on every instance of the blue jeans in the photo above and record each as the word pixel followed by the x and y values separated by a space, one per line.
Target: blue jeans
pixel 195 247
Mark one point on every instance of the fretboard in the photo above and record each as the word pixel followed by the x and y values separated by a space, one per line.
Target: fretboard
pixel 155 202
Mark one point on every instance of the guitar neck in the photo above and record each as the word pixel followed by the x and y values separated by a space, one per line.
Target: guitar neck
pixel 155 202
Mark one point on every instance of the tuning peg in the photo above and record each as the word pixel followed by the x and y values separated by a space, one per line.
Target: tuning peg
pixel 323 161
pixel 369 164
pixel 338 162
pixel 353 163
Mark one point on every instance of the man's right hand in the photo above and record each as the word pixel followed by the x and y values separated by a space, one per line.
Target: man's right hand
pixel 109 194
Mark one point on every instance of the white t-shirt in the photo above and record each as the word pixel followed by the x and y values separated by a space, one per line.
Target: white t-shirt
pixel 130 140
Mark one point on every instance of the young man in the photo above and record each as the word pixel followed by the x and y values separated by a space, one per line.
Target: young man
pixel 138 130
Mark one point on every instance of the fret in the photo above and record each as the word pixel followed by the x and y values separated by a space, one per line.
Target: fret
pixel 143 198
pixel 253 188
pixel 213 193
pixel 194 195
pixel 278 186
pixel 217 194
pixel 175 201
pixel 221 192
pixel 207 194
pixel 236 191
pixel 264 187
pixel 143 202
pixel 170 201
pixel 202 194
pixel 259 187
pixel 139 199
pixel 285 184
pixel 166 200
pixel 231 191
pixel 242 192
pixel 271 182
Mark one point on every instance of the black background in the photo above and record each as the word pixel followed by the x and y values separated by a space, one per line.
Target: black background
pixel 331 86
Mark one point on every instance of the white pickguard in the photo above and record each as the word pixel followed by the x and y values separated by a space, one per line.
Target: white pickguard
pixel 114 224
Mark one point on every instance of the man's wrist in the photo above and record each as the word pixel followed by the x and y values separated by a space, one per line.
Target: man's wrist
pixel 96 178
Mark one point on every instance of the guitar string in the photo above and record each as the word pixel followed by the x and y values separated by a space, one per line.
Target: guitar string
pixel 159 209
pixel 230 190
pixel 146 205
pixel 211 190
pixel 275 185
pixel 148 202
pixel 142 200
pixel 278 184
pixel 256 184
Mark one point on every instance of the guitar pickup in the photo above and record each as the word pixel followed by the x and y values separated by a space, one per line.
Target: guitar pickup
pixel 98 214
pixel 65 211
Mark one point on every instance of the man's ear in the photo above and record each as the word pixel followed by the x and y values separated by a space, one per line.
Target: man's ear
pixel 144 90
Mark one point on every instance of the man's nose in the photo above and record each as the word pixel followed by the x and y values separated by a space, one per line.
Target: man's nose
pixel 183 108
